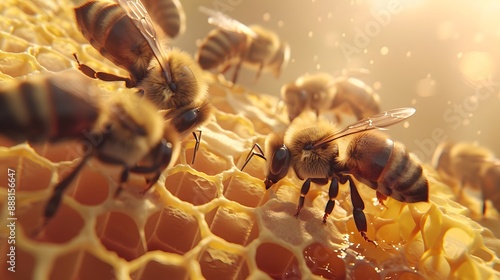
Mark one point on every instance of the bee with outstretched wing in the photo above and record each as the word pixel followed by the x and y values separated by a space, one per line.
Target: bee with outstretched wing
pixel 319 152
pixel 168 77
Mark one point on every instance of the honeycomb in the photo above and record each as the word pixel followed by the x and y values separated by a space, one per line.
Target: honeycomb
pixel 209 220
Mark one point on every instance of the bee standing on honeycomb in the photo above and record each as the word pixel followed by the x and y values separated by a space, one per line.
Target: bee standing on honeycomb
pixel 470 165
pixel 66 105
pixel 169 78
pixel 321 93
pixel 234 43
pixel 318 152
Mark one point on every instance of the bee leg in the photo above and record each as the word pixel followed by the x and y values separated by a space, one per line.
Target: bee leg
pixel 197 138
pixel 333 191
pixel 55 200
pixel 108 77
pixel 88 71
pixel 483 198
pixel 252 153
pixel 358 207
pixel 123 178
pixel 163 154
pixel 259 71
pixel 303 192
pixel 461 191
pixel 237 70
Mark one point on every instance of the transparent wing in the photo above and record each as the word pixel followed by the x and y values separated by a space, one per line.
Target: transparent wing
pixel 136 11
pixel 379 121
pixel 226 22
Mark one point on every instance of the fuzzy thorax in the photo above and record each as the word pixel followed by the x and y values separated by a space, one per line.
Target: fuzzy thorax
pixel 187 78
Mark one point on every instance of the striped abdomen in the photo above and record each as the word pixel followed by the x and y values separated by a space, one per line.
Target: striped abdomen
pixel 386 167
pixel 110 31
pixel 220 49
pixel 48 108
pixel 168 14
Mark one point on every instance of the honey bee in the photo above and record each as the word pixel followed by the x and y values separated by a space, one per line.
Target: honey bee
pixel 234 43
pixel 321 92
pixel 318 152
pixel 118 130
pixel 470 165
pixel 168 14
pixel 126 36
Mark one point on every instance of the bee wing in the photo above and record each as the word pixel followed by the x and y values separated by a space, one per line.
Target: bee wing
pixel 226 22
pixel 379 121
pixel 136 11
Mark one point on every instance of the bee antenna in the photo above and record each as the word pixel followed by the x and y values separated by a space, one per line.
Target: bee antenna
pixel 260 154
pixel 197 138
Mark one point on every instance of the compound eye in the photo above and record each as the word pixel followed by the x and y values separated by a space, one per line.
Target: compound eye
pixel 280 161
pixel 186 120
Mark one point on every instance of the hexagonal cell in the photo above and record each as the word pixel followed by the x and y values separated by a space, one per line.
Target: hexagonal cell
pixel 50 59
pixel 119 233
pixel 216 263
pixel 9 43
pixel 30 175
pixel 66 265
pixel 238 124
pixel 484 254
pixel 65 225
pixel 255 167
pixel 29 33
pixel 231 225
pixel 172 230
pixel 92 187
pixel 324 262
pixel 24 263
pixel 191 188
pixel 277 261
pixel 59 151
pixel 81 265
pixel 17 64
pixel 245 191
pixel 156 270
pixel 206 161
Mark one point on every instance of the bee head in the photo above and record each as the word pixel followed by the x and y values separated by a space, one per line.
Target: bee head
pixel 278 166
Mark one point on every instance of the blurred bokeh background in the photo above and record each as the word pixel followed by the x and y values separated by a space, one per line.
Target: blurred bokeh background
pixel 441 57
